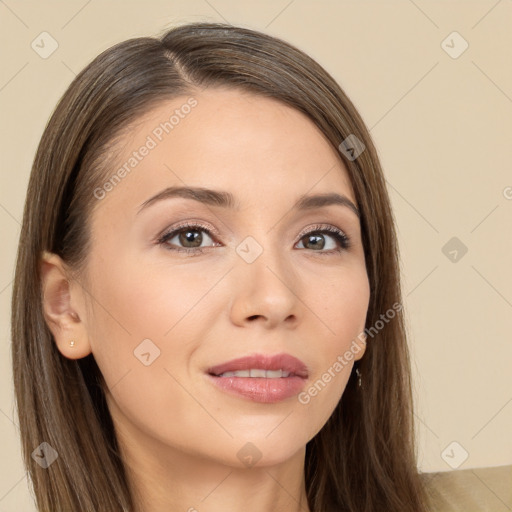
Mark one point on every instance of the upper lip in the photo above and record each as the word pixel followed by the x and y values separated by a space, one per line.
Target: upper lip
pixel 284 362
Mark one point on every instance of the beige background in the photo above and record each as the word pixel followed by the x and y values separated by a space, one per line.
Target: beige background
pixel 442 126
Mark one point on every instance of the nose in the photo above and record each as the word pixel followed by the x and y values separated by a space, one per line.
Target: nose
pixel 265 292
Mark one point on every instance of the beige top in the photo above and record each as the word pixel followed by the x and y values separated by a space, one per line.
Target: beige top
pixel 471 490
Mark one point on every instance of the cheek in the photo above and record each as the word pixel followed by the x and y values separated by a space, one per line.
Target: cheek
pixel 344 305
pixel 139 300
pixel 143 335
pixel 148 321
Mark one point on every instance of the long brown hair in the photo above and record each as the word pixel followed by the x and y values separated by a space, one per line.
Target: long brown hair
pixel 364 458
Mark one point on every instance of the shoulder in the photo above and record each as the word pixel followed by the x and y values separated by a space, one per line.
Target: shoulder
pixel 470 490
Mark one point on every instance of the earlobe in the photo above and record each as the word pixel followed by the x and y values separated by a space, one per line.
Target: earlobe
pixel 360 347
pixel 62 319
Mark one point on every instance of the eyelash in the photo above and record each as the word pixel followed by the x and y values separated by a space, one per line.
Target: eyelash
pixel 342 238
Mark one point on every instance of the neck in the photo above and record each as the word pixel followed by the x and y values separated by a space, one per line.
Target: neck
pixel 183 482
pixel 164 478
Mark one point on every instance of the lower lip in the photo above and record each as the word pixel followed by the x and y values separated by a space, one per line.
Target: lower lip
pixel 261 389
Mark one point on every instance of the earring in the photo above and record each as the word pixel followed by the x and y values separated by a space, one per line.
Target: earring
pixel 71 343
pixel 358 373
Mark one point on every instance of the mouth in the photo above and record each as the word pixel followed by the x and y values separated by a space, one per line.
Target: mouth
pixel 262 366
pixel 261 378
pixel 257 373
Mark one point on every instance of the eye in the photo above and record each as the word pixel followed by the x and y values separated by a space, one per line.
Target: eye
pixel 189 236
pixel 316 239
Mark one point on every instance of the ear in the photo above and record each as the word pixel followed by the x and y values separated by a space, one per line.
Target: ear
pixel 359 346
pixel 59 299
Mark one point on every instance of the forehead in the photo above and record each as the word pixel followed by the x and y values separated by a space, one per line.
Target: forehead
pixel 258 148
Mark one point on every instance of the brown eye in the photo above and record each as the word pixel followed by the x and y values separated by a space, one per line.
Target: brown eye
pixel 314 242
pixel 190 236
pixel 186 238
pixel 317 240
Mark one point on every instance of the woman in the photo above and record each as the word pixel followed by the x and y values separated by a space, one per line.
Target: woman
pixel 206 312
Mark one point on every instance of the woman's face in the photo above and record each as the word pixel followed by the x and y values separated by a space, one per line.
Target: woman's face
pixel 261 278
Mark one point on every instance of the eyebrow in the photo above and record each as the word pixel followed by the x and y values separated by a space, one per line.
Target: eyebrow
pixel 225 199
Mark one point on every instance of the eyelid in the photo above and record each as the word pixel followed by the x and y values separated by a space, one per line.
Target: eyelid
pixel 320 227
pixel 188 224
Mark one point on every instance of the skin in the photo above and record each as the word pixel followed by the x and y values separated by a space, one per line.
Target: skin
pixel 178 433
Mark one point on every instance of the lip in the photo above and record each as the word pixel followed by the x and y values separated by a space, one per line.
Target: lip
pixel 264 390
pixel 281 361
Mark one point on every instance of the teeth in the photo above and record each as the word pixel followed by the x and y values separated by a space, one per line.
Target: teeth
pixel 273 374
pixel 264 374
